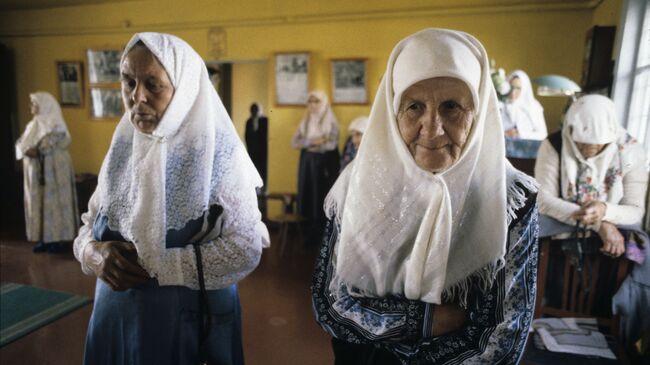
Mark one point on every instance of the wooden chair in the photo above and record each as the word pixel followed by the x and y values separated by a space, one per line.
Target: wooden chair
pixel 577 300
pixel 287 218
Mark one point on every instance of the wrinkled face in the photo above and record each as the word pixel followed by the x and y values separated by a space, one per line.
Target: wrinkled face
pixel 146 89
pixel 312 104
pixel 588 150
pixel 434 119
pixel 515 89
pixel 33 107
pixel 356 138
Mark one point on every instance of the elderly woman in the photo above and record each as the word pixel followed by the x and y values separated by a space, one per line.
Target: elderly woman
pixel 595 174
pixel 51 214
pixel 174 223
pixel 356 130
pixel 317 138
pixel 522 114
pixel 430 256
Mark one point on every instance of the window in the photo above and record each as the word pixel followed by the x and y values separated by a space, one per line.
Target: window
pixel 632 76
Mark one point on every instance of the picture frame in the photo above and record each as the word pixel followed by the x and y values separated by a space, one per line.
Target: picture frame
pixel 106 103
pixel 349 81
pixel 70 80
pixel 291 78
pixel 103 65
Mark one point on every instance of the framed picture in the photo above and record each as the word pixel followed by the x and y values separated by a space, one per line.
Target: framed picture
pixel 291 78
pixel 105 103
pixel 70 78
pixel 103 65
pixel 349 81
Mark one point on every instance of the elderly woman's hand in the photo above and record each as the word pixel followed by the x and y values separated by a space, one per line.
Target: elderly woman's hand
pixel 448 318
pixel 613 240
pixel 591 212
pixel 116 263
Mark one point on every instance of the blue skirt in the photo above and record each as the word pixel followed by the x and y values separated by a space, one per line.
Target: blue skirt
pixel 154 324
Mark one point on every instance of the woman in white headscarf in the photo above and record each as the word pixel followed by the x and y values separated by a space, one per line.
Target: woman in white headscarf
pixel 317 138
pixel 356 130
pixel 431 252
pixel 522 114
pixel 594 174
pixel 50 196
pixel 174 223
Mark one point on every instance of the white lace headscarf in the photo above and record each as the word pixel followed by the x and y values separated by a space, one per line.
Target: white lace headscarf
pixel 592 120
pixel 319 122
pixel 359 124
pixel 48 119
pixel 408 231
pixel 525 113
pixel 152 183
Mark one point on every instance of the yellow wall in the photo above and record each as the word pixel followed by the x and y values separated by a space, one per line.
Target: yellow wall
pixel 537 37
pixel 250 84
pixel 608 12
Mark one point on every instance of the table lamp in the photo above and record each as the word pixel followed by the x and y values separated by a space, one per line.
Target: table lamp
pixel 556 85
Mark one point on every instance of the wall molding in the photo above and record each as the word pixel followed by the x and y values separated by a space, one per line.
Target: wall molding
pixel 127 26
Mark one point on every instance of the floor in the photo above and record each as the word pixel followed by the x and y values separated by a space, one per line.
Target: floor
pixel 278 325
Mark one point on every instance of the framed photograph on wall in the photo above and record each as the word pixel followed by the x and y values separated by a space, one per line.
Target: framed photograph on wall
pixel 106 103
pixel 349 81
pixel 70 79
pixel 291 78
pixel 103 65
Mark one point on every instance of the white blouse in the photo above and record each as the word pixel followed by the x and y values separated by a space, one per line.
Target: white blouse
pixel 629 211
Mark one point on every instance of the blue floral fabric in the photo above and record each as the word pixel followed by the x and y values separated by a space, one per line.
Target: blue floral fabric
pixel 498 320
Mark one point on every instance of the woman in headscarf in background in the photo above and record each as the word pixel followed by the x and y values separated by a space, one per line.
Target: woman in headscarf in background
pixel 593 173
pixel 174 223
pixel 51 215
pixel 317 138
pixel 522 114
pixel 356 130
pixel 431 252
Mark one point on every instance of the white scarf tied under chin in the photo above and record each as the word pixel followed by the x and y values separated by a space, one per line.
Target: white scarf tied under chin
pixel 405 230
pixel 592 120
pixel 48 119
pixel 321 121
pixel 150 184
pixel 525 113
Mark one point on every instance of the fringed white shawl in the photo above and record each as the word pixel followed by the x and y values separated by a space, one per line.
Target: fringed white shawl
pixel 405 230
pixel 48 119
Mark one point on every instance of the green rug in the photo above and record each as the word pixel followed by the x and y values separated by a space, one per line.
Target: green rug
pixel 24 309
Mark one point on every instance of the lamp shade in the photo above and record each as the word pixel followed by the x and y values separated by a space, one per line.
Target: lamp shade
pixel 556 85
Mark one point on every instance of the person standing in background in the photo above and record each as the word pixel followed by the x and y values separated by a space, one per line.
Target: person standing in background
pixel 317 138
pixel 257 141
pixel 50 195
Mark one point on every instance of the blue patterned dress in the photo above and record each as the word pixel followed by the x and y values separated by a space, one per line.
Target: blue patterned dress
pixel 394 329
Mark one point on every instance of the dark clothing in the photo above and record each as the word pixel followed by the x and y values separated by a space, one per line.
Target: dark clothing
pixel 257 141
pixel 394 329
pixel 316 174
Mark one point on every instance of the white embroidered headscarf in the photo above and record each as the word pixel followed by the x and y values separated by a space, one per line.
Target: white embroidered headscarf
pixel 48 119
pixel 359 124
pixel 318 120
pixel 152 183
pixel 525 113
pixel 592 120
pixel 408 231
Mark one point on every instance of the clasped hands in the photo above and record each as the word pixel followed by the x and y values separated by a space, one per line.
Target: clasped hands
pixel 592 213
pixel 115 263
